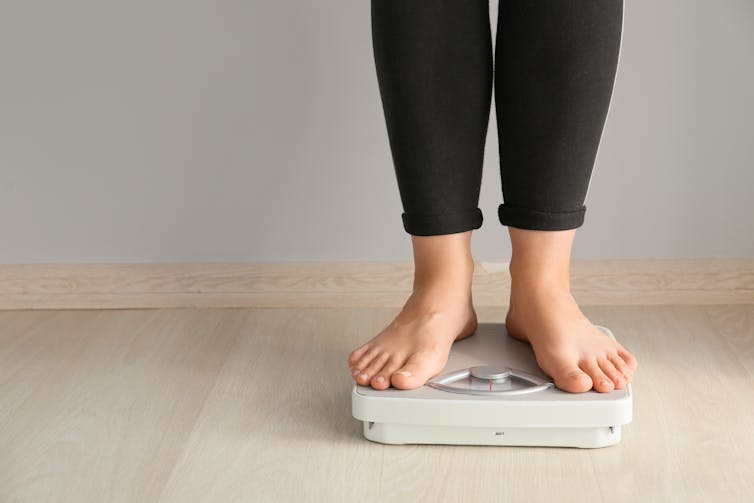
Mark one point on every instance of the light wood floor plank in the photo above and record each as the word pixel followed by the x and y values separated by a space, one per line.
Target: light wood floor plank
pixel 254 405
pixel 96 405
pixel 692 408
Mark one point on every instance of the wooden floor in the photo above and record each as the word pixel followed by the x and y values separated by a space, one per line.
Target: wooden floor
pixel 229 405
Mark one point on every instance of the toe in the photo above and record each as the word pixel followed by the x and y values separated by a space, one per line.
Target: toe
pixel 572 379
pixel 363 362
pixel 628 358
pixel 415 373
pixel 622 367
pixel 373 368
pixel 382 379
pixel 610 371
pixel 600 380
pixel 405 377
pixel 366 358
pixel 356 355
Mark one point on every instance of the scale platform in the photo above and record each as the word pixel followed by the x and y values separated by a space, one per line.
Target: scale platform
pixel 492 392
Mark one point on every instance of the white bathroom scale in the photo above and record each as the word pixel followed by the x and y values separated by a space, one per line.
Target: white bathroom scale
pixel 492 392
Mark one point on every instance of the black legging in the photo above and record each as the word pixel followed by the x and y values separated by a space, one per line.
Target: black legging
pixel 555 61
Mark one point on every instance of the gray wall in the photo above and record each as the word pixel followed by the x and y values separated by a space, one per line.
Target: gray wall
pixel 152 131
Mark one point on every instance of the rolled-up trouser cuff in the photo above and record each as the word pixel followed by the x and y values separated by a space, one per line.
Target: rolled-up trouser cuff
pixel 526 218
pixel 418 224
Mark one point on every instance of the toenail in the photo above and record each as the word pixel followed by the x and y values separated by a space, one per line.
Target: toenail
pixel 380 379
pixel 363 376
pixel 605 382
pixel 404 372
pixel 355 372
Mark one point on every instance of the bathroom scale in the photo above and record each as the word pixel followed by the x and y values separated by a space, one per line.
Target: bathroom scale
pixel 492 392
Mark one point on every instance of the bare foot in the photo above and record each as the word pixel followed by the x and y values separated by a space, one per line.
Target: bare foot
pixel 415 346
pixel 568 347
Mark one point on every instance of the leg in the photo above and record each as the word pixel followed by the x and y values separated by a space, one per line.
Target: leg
pixel 556 66
pixel 434 69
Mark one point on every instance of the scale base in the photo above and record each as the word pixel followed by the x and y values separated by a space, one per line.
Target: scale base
pixel 388 433
pixel 548 417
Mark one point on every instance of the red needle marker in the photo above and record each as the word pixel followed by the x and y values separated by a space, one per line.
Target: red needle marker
pixel 490 384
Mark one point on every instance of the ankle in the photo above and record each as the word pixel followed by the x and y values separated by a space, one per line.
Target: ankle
pixel 444 260
pixel 449 293
pixel 537 279
pixel 541 259
pixel 449 278
pixel 442 294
